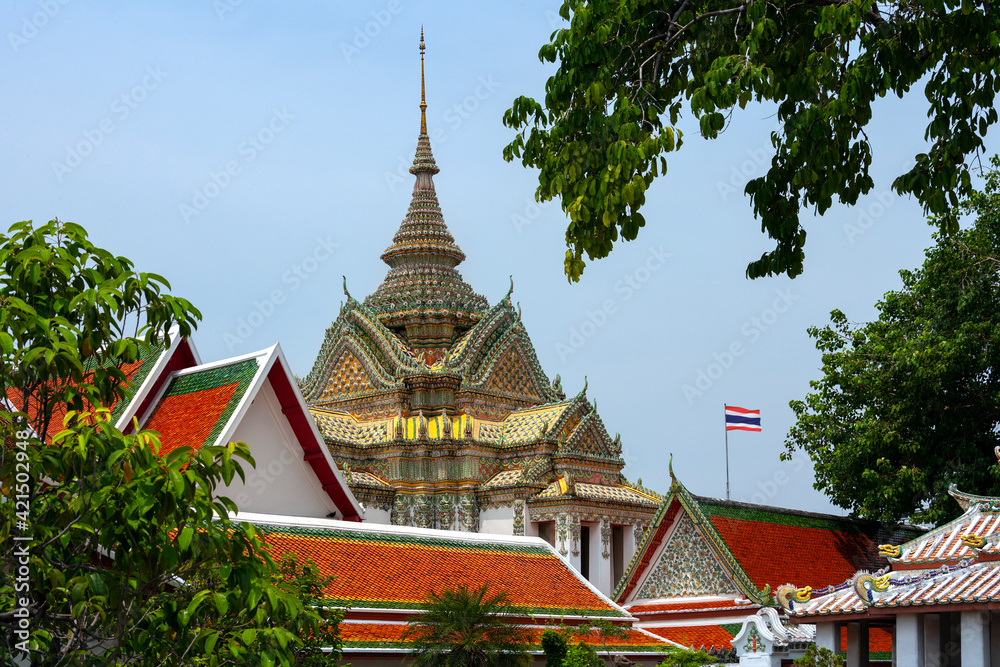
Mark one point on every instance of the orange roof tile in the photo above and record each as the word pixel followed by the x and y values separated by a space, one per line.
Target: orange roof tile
pixel 359 635
pixel 696 636
pixel 377 634
pixel 196 405
pixel 186 420
pixel 398 570
pixel 135 374
pixel 815 557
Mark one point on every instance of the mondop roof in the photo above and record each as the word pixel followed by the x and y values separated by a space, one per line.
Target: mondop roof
pixel 436 401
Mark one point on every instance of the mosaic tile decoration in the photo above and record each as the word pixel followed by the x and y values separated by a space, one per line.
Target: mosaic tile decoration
pixel 686 566
pixel 505 478
pixel 621 494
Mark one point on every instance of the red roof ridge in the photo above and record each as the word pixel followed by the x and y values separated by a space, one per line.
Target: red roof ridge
pixel 793 512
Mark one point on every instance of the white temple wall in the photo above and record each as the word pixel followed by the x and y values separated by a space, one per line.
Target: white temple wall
pixel 282 482
pixel 377 515
pixel 497 520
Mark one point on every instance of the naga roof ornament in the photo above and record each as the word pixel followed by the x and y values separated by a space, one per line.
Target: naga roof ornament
pixel 422 281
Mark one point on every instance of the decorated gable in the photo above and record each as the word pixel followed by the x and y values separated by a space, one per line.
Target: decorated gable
pixel 512 375
pixel 685 566
pixel 590 437
pixel 347 378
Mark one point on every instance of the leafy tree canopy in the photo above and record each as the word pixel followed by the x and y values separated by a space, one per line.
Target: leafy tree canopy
pixel 910 403
pixel 111 553
pixel 628 68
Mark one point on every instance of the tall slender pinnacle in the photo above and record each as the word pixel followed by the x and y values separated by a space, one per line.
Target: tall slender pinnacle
pixel 423 92
pixel 423 291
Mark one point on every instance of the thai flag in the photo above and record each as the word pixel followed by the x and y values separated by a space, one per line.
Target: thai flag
pixel 741 419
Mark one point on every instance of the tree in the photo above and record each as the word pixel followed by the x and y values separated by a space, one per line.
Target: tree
pixel 582 655
pixel 116 554
pixel 467 628
pixel 687 658
pixel 819 657
pixel 910 403
pixel 322 645
pixel 604 630
pixel 554 647
pixel 625 70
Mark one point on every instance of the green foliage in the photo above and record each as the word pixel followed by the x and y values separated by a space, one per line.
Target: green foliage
pixel 467 628
pixel 583 655
pixel 685 658
pixel 554 646
pixel 71 314
pixel 626 70
pixel 132 557
pixel 604 629
pixel 819 657
pixel 909 404
pixel 321 645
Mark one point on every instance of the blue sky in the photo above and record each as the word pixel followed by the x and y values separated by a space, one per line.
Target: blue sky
pixel 255 152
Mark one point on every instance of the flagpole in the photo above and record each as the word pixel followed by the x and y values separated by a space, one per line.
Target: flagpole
pixel 726 427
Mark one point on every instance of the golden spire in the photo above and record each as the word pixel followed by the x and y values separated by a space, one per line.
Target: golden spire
pixel 423 100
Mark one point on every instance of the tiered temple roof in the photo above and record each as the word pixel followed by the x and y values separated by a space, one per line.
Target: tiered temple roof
pixel 741 540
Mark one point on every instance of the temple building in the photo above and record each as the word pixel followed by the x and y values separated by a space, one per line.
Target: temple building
pixel 707 573
pixel 936 595
pixel 434 404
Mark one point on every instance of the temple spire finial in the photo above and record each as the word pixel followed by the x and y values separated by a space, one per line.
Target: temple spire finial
pixel 423 93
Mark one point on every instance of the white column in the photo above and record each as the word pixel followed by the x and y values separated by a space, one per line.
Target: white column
pixel 932 640
pixel 975 639
pixel 853 644
pixel 629 545
pixel 908 643
pixel 828 636
pixel 573 539
pixel 600 567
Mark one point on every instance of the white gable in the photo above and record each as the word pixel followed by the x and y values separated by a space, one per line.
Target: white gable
pixel 282 482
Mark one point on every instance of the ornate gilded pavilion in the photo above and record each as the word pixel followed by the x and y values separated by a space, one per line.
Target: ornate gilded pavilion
pixel 435 405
